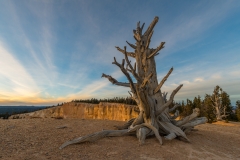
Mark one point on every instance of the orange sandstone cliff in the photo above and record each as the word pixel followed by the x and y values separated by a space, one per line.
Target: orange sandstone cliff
pixel 103 110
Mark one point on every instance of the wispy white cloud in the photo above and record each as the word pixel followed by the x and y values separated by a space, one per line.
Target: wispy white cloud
pixel 194 85
pixel 188 28
pixel 52 75
pixel 37 62
pixel 94 87
pixel 16 76
pixel 67 85
pixel 198 79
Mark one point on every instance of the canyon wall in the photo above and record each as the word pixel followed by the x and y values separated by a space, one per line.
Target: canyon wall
pixel 103 110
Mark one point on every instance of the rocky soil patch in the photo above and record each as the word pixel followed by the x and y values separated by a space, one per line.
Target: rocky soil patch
pixel 25 139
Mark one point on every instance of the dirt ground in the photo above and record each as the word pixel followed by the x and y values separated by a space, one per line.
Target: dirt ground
pixel 35 139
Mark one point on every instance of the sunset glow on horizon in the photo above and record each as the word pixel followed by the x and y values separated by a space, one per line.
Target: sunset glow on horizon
pixel 56 51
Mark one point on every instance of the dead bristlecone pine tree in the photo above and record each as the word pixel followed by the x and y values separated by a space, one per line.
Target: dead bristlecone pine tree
pixel 216 98
pixel 154 117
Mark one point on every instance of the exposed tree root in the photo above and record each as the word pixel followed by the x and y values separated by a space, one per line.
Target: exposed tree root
pixel 173 131
pixel 150 127
pixel 194 122
pixel 95 136
pixel 185 120
pixel 126 125
pixel 168 128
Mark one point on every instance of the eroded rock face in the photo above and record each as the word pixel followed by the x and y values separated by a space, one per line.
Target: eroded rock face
pixel 104 110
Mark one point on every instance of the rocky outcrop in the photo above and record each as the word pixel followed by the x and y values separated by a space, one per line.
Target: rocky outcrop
pixel 103 110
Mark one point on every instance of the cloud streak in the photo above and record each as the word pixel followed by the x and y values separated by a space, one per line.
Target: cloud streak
pixel 57 51
pixel 15 75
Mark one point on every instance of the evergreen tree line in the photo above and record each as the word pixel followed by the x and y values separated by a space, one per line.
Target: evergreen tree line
pixel 207 108
pixel 127 100
pixel 206 105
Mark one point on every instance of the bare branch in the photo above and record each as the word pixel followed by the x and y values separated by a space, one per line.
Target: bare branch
pixel 122 84
pixel 115 82
pixel 130 94
pixel 151 26
pixel 132 69
pixel 138 24
pixel 131 54
pixel 142 27
pixel 137 33
pixel 134 31
pixel 165 96
pixel 170 100
pixel 156 50
pixel 110 78
pixel 163 80
pixel 128 65
pixel 137 37
pixel 173 108
pixel 149 40
pixel 131 45
pixel 129 70
pixel 123 62
pixel 126 74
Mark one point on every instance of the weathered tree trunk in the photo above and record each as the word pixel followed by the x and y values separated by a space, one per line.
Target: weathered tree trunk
pixel 220 109
pixel 154 115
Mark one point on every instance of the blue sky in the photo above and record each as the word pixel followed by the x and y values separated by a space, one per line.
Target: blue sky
pixel 56 51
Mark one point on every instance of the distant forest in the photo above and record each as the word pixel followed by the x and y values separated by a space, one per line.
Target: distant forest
pixel 127 100
pixel 206 105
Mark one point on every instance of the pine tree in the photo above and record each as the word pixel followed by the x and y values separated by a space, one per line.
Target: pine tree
pixel 208 109
pixel 221 103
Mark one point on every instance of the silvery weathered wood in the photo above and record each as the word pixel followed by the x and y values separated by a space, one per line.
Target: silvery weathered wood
pixel 154 117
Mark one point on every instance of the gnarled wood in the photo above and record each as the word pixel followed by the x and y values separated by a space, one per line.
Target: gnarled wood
pixel 151 26
pixel 220 109
pixel 95 136
pixel 156 50
pixel 153 107
pixel 126 125
pixel 169 101
pixel 131 45
pixel 131 54
pixel 174 107
pixel 187 119
pixel 150 127
pixel 114 81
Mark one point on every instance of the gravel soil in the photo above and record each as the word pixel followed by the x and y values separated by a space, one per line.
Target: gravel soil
pixel 39 139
